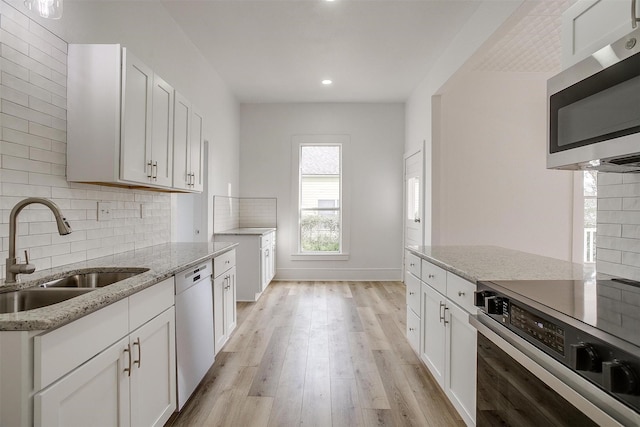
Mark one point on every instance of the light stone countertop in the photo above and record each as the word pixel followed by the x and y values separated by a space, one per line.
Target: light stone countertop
pixel 257 231
pixel 163 261
pixel 477 263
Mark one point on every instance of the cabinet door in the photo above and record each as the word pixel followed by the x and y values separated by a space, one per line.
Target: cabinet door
pixel 181 141
pixel 153 378
pixel 589 25
pixel 460 384
pixel 196 151
pixel 264 268
pixel 432 343
pixel 219 316
pixel 230 302
pixel 135 138
pixel 413 330
pixel 162 133
pixel 95 394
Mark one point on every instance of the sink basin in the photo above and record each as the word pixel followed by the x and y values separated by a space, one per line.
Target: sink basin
pixel 92 279
pixel 28 299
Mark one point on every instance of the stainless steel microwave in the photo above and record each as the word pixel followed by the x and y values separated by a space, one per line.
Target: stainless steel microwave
pixel 594 111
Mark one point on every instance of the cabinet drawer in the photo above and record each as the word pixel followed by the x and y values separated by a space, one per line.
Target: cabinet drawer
pixel 461 292
pixel 224 262
pixel 413 292
pixel 267 239
pixel 412 264
pixel 435 276
pixel 148 303
pixel 57 352
pixel 413 330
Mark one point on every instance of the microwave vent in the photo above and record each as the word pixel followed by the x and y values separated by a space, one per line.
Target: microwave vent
pixel 633 160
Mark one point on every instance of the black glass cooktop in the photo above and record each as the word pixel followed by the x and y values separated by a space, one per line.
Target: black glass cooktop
pixel 612 305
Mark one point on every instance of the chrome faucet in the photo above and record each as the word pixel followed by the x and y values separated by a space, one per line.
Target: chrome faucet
pixel 13 267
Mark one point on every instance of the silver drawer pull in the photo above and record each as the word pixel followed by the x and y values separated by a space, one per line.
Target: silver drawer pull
pixel 460 293
pixel 128 351
pixel 432 276
pixel 412 293
pixel 139 361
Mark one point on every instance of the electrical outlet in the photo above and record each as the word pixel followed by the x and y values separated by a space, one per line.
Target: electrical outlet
pixel 104 211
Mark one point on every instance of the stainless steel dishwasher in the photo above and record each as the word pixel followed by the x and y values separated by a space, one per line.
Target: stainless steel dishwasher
pixel 194 328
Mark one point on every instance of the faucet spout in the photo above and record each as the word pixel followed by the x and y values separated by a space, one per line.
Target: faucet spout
pixel 13 268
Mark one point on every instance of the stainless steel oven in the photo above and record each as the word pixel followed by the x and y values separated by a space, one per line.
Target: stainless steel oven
pixel 545 356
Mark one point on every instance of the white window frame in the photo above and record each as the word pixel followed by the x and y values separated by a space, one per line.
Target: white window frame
pixel 297 142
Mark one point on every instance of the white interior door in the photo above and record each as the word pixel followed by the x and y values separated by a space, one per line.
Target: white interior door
pixel 413 187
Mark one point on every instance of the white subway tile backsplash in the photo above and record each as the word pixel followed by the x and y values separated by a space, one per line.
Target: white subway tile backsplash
pixel 13 69
pixel 618 206
pixel 33 161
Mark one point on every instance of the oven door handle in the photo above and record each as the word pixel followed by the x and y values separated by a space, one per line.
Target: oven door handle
pixel 595 403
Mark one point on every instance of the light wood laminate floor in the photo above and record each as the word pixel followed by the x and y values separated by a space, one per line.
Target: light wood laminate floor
pixel 320 354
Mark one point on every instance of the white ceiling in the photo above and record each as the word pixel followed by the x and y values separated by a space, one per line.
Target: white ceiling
pixel 373 50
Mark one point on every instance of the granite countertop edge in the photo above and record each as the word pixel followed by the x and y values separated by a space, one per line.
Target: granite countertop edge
pixel 492 263
pixel 246 231
pixel 162 261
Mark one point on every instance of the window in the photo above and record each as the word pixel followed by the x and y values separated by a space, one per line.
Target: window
pixel 590 193
pixel 319 195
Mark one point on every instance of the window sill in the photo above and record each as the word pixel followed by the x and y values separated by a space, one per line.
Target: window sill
pixel 320 257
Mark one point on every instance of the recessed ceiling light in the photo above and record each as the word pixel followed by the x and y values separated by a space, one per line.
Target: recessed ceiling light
pixel 326 82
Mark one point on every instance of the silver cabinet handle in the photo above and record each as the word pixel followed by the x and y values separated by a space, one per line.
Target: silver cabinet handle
pixel 444 316
pixel 460 293
pixel 416 220
pixel 155 174
pixel 411 329
pixel 432 276
pixel 150 166
pixel 411 264
pixel 411 293
pixel 128 350
pixel 139 361
pixel 440 312
pixel 634 16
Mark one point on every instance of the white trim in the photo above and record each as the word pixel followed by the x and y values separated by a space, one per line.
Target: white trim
pixel 345 195
pixel 340 274
pixel 319 257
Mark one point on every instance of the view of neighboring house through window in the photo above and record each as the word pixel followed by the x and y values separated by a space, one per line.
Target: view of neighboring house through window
pixel 320 214
pixel 590 214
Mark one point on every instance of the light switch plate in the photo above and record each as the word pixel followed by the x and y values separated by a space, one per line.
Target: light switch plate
pixel 104 211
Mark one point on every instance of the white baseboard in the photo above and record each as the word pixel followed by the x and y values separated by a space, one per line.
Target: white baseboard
pixel 340 274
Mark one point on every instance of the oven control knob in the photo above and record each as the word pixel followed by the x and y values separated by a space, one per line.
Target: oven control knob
pixel 618 377
pixel 493 305
pixel 480 296
pixel 585 358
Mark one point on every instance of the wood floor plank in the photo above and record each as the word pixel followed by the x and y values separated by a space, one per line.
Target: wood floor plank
pixel 377 339
pixel 266 380
pixel 371 392
pixel 302 355
pixel 345 405
pixel 405 408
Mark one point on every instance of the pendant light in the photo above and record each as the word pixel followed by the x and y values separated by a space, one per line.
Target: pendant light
pixel 51 9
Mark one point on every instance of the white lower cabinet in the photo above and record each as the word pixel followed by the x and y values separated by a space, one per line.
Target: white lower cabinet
pixel 224 298
pixel 95 394
pixel 460 356
pixel 448 342
pixel 129 383
pixel 432 349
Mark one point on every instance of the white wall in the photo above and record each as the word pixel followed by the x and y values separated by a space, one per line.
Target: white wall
pixel 484 22
pixel 34 131
pixel 376 148
pixel 491 185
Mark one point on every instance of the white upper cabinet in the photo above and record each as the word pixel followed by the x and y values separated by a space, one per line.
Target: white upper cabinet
pixel 590 25
pixel 187 146
pixel 120 120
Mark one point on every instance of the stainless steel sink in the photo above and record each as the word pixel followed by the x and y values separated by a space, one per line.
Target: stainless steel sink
pixel 93 279
pixel 30 298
